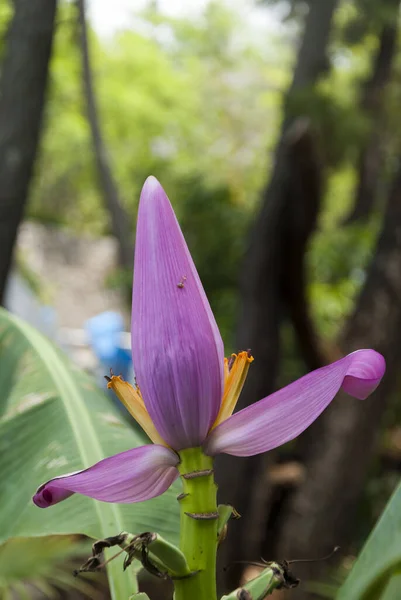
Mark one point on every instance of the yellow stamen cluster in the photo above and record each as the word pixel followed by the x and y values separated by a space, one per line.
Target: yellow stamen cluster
pixel 132 399
pixel 235 372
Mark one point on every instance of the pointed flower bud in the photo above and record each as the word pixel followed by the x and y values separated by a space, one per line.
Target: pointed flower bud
pixel 177 349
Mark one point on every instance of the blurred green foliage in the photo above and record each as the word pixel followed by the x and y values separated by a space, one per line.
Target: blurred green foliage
pixel 375 574
pixel 197 102
pixel 183 100
pixel 338 259
pixel 179 100
pixel 54 419
pixel 44 566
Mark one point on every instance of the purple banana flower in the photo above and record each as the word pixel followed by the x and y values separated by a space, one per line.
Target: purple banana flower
pixel 186 390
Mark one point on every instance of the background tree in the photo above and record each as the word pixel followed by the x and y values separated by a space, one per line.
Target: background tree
pixel 373 104
pixel 119 218
pixel 331 489
pixel 23 84
pixel 273 283
pixel 341 444
pixel 281 523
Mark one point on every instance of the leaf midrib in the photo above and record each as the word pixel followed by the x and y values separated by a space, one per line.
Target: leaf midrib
pixel 79 419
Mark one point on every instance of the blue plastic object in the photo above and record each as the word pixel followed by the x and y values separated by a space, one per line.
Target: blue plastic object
pixel 104 331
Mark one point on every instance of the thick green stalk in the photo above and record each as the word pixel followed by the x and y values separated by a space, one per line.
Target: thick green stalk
pixel 198 526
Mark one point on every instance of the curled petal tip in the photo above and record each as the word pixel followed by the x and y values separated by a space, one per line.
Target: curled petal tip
pixel 282 416
pixel 364 374
pixel 47 496
pixel 132 476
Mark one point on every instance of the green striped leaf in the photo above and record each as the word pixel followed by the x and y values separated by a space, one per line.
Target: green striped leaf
pixel 375 574
pixel 54 420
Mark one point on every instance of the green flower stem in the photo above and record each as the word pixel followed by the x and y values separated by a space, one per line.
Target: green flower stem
pixel 198 536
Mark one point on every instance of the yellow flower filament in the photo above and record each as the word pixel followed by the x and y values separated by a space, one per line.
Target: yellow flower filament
pixel 235 373
pixel 234 379
pixel 133 402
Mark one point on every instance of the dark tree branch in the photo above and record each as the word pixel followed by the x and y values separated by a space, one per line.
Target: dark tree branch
pixel 120 221
pixel 301 209
pixel 286 220
pixel 312 59
pixel 373 104
pixel 22 96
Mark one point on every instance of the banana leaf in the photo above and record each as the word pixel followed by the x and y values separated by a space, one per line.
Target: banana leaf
pixel 54 420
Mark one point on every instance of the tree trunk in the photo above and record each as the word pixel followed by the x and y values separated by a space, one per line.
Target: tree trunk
pixel 341 443
pixel 120 221
pixel 275 254
pixel 372 104
pixel 22 96
pixel 287 217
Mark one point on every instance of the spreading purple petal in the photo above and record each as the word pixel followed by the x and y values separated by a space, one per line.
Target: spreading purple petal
pixel 132 476
pixel 177 349
pixel 282 416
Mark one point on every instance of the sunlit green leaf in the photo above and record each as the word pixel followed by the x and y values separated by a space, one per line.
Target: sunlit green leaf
pixel 380 559
pixel 54 420
pixel 45 564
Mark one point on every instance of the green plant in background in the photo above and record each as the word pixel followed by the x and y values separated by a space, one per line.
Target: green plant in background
pixel 163 108
pixel 53 417
pixel 337 264
pixel 44 565
pixel 38 287
pixel 185 98
pixel 376 573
